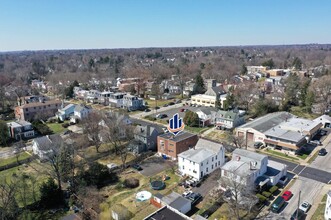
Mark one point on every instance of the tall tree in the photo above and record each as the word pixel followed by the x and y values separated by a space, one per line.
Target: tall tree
pixel 191 119
pixel 8 204
pixel 269 63
pixel 245 94
pixel 297 63
pixel 93 128
pixel 199 84
pixel 4 133
pixel 243 70
pixel 292 86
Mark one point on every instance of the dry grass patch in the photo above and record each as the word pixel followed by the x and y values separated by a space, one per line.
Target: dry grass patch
pixel 218 135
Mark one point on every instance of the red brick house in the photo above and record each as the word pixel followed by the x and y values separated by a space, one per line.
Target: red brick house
pixel 169 145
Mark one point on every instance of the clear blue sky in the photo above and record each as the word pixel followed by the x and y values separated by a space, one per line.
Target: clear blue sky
pixel 75 24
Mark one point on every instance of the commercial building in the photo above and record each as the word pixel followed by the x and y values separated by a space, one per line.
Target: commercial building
pixel 20 130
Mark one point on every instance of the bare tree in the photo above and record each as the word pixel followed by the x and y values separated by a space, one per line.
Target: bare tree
pixel 92 127
pixel 18 149
pixel 237 141
pixel 239 194
pixel 245 93
pixel 322 90
pixel 8 204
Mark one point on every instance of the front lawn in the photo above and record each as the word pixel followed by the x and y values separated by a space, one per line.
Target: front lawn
pixel 56 127
pixel 22 156
pixel 197 130
pixel 279 154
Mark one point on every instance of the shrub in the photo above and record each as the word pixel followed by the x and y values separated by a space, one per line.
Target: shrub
pixel 273 189
pixel 261 197
pixel 266 194
pixel 131 183
pixel 65 125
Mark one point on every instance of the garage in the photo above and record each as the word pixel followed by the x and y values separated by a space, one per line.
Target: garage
pixel 250 136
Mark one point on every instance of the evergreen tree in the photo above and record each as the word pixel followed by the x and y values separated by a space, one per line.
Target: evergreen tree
pixel 4 133
pixel 200 85
pixel 269 63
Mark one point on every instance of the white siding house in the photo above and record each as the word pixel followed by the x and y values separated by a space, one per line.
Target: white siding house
pixel 203 159
pixel 327 213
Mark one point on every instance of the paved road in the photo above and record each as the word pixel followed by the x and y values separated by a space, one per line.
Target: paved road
pixel 154 112
pixel 323 162
pixel 309 192
pixel 306 171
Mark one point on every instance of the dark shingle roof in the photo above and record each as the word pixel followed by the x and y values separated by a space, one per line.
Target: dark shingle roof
pixel 179 137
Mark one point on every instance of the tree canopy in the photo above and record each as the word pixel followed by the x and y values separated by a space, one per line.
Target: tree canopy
pixel 4 133
pixel 200 85
pixel 269 63
pixel 191 119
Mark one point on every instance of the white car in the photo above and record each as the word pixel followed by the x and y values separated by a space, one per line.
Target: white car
pixel 186 193
pixel 305 206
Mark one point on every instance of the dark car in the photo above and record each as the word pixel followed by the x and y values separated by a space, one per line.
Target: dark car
pixel 322 132
pixel 67 132
pixel 137 167
pixel 165 105
pixel 162 116
pixel 178 101
pixel 258 145
pixel 298 215
pixel 147 110
pixel 171 103
pixel 194 197
pixel 322 152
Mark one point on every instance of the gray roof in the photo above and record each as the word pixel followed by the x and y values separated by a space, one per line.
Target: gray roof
pixel 175 200
pixel 196 155
pixel 268 121
pixel 46 143
pixel 241 168
pixel 283 134
pixel 209 145
pixel 179 137
pixel 206 110
pixel 80 107
pixel 144 130
pixel 165 213
pixel 228 115
pixel 249 155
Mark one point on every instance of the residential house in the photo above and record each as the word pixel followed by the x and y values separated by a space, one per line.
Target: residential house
pixel 275 72
pixel 248 168
pixel 145 138
pixel 211 98
pixel 228 119
pixel 116 99
pixel 174 200
pixel 65 113
pixel 327 212
pixel 189 88
pixel 132 102
pixel 37 110
pixel 44 146
pixel 202 159
pixel 169 145
pixel 80 112
pixel 167 96
pixel 255 69
pixel 20 130
pixel 206 115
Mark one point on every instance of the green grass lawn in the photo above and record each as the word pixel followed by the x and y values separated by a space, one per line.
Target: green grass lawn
pixel 313 157
pixel 56 127
pixel 22 156
pixel 319 213
pixel 196 130
pixel 303 156
pixel 279 154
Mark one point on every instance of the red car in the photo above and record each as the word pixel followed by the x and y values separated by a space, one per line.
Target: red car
pixel 287 195
pixel 182 110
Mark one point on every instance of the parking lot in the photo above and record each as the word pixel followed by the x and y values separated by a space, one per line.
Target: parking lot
pixel 154 165
pixel 172 111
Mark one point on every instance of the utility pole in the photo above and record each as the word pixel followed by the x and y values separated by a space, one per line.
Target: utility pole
pixel 298 205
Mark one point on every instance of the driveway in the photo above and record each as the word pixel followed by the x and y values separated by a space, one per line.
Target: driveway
pixel 154 165
pixel 209 183
pixel 323 162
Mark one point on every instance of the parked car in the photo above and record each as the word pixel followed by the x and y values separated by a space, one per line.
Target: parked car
pixel 194 197
pixel 182 110
pixel 305 206
pixel 187 193
pixel 258 145
pixel 147 110
pixel 277 204
pixel 165 130
pixel 165 105
pixel 322 132
pixel 171 103
pixel 178 101
pixel 316 142
pixel 322 152
pixel 287 195
pixel 298 215
pixel 67 132
pixel 136 167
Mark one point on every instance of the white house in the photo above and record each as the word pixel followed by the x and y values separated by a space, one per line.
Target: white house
pixel 132 102
pixel 66 112
pixel 202 159
pixel 44 146
pixel 228 119
pixel 81 111
pixel 250 168
pixel 327 213
pixel 116 99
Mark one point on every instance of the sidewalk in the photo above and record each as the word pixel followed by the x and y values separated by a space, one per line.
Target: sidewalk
pixel 318 200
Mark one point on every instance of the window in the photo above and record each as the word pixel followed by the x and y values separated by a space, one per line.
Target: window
pixel 212 166
pixel 219 163
pixel 183 168
pixel 183 159
pixel 216 157
pixel 27 109
pixel 216 164
pixel 193 163
pixel 34 107
pixel 201 164
pixel 212 159
pixel 207 170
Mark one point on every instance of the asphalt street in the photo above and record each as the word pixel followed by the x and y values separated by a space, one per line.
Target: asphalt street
pixel 305 171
